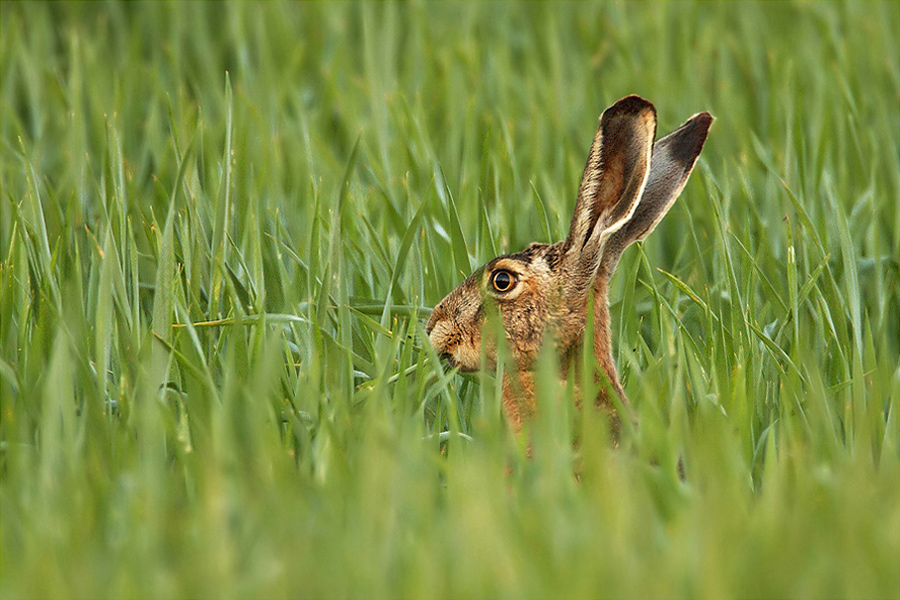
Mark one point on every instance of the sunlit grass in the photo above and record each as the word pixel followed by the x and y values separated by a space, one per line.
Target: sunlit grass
pixel 223 225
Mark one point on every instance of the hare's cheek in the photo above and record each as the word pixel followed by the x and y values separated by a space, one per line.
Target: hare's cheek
pixel 466 357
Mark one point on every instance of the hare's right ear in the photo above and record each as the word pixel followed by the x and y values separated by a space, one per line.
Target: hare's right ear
pixel 673 160
pixel 613 180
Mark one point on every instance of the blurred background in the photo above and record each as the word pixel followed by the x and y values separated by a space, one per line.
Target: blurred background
pixel 222 225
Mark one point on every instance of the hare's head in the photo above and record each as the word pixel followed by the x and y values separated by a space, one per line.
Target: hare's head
pixel 523 288
pixel 628 185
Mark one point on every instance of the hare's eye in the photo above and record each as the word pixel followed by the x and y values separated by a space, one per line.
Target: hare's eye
pixel 503 281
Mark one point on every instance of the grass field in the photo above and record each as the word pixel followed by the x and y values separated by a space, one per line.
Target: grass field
pixel 222 226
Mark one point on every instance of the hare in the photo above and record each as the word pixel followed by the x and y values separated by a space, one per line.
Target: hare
pixel 629 184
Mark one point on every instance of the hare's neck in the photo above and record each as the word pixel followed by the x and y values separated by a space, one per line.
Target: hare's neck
pixel 520 403
pixel 603 340
pixel 518 398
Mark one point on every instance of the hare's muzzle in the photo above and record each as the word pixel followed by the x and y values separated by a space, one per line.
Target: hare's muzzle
pixel 438 328
pixel 443 336
pixel 437 314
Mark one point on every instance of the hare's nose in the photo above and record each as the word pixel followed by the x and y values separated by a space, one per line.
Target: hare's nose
pixel 437 315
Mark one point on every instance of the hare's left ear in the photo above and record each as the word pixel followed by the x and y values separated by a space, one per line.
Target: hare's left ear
pixel 613 179
pixel 674 157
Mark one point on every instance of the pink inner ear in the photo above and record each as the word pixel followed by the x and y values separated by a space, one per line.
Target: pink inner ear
pixel 616 170
pixel 627 161
pixel 610 187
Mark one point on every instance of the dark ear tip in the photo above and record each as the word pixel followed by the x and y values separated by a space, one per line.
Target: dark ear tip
pixel 697 127
pixel 687 141
pixel 704 119
pixel 629 105
pixel 700 123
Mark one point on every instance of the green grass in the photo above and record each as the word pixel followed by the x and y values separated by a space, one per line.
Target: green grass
pixel 313 177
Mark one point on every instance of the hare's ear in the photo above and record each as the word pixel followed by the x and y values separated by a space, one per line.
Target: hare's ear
pixel 614 176
pixel 673 160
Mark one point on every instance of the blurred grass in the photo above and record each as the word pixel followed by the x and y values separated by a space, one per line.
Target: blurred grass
pixel 312 177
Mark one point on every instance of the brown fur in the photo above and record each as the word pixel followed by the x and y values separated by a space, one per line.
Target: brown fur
pixel 628 185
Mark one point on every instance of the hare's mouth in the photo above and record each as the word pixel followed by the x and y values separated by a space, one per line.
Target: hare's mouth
pixel 448 359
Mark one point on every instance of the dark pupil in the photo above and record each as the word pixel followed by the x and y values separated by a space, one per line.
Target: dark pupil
pixel 502 281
